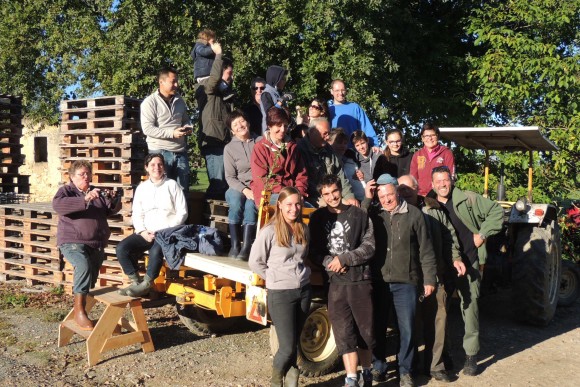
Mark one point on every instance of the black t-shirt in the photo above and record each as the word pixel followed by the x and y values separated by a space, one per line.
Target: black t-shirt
pixel 465 236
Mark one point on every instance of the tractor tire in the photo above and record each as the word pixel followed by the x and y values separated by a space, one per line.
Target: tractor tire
pixel 569 283
pixel 317 352
pixel 536 272
pixel 202 322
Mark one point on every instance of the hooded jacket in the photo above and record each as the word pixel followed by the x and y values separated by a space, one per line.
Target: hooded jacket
pixel 284 165
pixel 374 165
pixel 237 162
pixel 271 94
pixel 422 165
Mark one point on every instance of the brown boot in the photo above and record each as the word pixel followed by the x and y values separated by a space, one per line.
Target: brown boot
pixel 81 317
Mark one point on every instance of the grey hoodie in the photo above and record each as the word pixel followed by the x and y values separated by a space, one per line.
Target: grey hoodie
pixel 237 156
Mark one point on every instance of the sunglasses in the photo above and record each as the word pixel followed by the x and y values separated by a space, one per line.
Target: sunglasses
pixel 259 88
pixel 316 107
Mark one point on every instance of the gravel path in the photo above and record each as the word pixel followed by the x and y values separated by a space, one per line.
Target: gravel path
pixel 512 354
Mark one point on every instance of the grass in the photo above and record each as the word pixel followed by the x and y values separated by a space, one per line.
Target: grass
pixel 202 182
pixel 11 300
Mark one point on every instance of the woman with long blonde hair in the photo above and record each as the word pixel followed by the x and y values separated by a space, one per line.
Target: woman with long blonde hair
pixel 278 256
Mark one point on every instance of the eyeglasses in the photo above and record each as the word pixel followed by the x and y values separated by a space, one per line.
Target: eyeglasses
pixel 395 142
pixel 262 88
pixel 429 135
pixel 317 107
pixel 83 174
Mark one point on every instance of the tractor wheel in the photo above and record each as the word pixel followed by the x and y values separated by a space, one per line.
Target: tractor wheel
pixel 317 352
pixel 202 322
pixel 569 284
pixel 536 273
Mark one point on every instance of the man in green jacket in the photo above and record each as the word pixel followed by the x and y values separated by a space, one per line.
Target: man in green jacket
pixel 474 218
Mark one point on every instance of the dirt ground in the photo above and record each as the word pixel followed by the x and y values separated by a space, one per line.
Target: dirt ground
pixel 512 354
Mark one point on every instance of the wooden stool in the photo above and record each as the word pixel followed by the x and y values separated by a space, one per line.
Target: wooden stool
pixel 107 334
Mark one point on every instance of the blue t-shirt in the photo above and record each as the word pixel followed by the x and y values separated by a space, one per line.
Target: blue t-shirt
pixel 351 117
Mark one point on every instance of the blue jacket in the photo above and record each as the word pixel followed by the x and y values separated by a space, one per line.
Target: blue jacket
pixel 203 57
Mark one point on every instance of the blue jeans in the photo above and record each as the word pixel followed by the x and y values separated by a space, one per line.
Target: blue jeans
pixel 87 263
pixel 214 163
pixel 288 311
pixel 404 298
pixel 131 249
pixel 242 210
pixel 176 166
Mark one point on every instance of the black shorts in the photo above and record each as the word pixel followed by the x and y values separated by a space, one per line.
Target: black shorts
pixel 350 308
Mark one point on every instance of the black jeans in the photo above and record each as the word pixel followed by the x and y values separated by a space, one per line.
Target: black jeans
pixel 288 310
pixel 131 249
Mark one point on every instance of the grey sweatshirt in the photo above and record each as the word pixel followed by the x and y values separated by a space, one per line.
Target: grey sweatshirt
pixel 281 267
pixel 237 155
pixel 158 122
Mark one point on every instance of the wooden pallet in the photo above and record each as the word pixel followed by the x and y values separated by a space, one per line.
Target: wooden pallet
pixel 33 273
pixel 96 102
pixel 10 104
pixel 114 111
pixel 99 151
pixel 15 129
pixel 101 123
pixel 14 198
pixel 8 118
pixel 13 178
pixel 108 164
pixel 100 136
pixel 12 158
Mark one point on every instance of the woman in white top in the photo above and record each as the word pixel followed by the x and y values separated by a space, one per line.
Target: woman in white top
pixel 158 203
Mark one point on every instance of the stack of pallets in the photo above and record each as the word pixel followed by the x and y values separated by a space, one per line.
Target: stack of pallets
pixel 12 184
pixel 106 132
pixel 28 243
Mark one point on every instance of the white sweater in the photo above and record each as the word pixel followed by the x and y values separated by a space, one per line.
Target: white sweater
pixel 158 206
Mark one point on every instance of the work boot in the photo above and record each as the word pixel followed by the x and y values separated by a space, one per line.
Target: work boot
pixel 470 367
pixel 406 380
pixel 142 288
pixel 80 313
pixel 367 377
pixel 235 235
pixel 134 282
pixel 292 376
pixel 277 378
pixel 249 236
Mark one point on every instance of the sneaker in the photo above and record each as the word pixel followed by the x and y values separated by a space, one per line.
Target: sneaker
pixel 367 378
pixel 350 382
pixel 470 367
pixel 406 380
pixel 379 371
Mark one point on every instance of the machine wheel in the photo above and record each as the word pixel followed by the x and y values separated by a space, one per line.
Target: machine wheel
pixel 569 283
pixel 536 273
pixel 204 322
pixel 317 352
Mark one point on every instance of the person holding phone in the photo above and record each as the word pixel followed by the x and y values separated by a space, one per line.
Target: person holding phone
pixel 166 124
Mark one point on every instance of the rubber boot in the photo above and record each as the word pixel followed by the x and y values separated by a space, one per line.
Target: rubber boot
pixel 277 378
pixel 235 235
pixel 249 236
pixel 135 279
pixel 142 288
pixel 81 317
pixel 292 376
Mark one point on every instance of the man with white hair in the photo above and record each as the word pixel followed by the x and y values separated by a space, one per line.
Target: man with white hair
pixel 404 259
pixel 432 313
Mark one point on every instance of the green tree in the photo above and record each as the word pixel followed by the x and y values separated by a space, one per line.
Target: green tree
pixel 529 73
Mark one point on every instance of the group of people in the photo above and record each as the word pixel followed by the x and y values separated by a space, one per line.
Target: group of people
pixel 401 252
pixel 390 231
